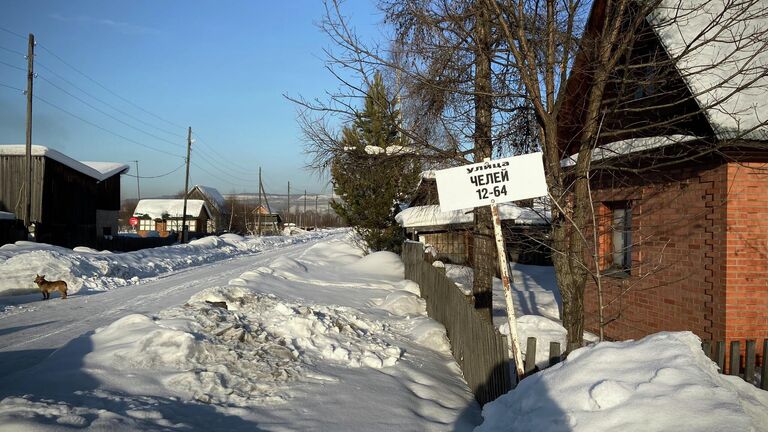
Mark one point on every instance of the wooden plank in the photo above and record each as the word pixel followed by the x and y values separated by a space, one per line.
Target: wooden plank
pixel 554 353
pixel 706 346
pixel 721 356
pixel 735 363
pixel 764 367
pixel 749 369
pixel 530 355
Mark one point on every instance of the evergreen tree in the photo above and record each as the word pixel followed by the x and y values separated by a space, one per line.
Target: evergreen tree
pixel 370 182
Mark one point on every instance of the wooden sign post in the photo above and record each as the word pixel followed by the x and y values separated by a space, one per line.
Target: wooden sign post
pixel 492 183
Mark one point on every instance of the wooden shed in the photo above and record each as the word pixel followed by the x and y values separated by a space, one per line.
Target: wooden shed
pixel 73 203
pixel 216 204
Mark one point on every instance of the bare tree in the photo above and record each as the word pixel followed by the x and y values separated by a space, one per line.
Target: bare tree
pixel 623 87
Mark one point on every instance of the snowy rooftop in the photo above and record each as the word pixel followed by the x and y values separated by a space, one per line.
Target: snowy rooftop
pixel 432 215
pixel 629 146
pixel 722 57
pixel 213 195
pixel 97 170
pixel 161 208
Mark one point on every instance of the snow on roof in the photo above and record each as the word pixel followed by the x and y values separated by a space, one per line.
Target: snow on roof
pixel 213 195
pixel 390 150
pixel 628 146
pixel 162 208
pixel 97 170
pixel 722 55
pixel 432 215
pixel 7 216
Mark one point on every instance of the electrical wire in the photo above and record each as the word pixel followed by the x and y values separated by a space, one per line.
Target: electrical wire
pixel 107 89
pixel 61 77
pixel 13 51
pixel 219 178
pixel 13 66
pixel 13 33
pixel 157 176
pixel 110 115
pixel 11 87
pixel 105 129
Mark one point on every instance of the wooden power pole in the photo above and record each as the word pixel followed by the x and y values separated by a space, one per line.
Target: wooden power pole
pixel 288 215
pixel 258 209
pixel 138 186
pixel 28 155
pixel 186 187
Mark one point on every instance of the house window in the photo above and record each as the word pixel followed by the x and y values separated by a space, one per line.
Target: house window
pixel 146 225
pixel 621 236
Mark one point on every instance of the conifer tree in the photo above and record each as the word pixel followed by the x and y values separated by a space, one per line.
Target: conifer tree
pixel 370 172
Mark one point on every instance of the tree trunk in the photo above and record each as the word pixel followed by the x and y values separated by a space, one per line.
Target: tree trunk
pixel 484 244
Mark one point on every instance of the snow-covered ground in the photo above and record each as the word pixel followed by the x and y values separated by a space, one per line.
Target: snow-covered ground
pixel 316 336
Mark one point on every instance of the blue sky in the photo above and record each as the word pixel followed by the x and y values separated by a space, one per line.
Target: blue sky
pixel 160 66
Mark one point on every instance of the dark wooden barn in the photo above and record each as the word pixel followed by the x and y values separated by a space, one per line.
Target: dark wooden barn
pixel 216 204
pixel 73 203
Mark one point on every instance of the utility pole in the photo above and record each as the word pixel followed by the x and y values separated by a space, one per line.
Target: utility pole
pixel 28 156
pixel 288 214
pixel 138 187
pixel 186 187
pixel 258 209
pixel 316 214
pixel 304 214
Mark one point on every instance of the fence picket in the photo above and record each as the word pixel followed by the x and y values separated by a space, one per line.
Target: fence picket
pixel 530 355
pixel 749 366
pixel 764 368
pixel 554 353
pixel 735 364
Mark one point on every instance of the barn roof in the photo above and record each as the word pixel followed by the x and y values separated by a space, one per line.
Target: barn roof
pixel 213 195
pixel 162 208
pixel 97 170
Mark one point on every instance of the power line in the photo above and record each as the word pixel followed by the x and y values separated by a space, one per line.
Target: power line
pixel 106 88
pixel 61 77
pixel 231 183
pixel 157 176
pixel 13 66
pixel 105 129
pixel 11 87
pixel 13 33
pixel 13 51
pixel 109 115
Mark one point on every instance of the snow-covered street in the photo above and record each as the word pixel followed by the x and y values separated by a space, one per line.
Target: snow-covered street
pixel 314 337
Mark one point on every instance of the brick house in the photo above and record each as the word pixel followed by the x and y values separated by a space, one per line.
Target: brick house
pixel 682 208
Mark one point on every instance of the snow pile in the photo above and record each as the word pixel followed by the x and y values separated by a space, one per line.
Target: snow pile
pixel 89 270
pixel 663 382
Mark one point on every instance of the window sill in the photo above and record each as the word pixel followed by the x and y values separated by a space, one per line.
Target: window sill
pixel 616 273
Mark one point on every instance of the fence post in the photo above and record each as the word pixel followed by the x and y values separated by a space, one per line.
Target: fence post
pixel 764 367
pixel 706 346
pixel 735 363
pixel 530 355
pixel 749 366
pixel 554 353
pixel 721 356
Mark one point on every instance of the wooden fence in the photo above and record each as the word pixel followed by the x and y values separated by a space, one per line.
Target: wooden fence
pixel 479 349
pixel 716 352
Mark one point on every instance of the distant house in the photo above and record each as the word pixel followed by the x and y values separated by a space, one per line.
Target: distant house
pixel 265 221
pixel 683 246
pixel 216 204
pixel 450 233
pixel 164 216
pixel 74 203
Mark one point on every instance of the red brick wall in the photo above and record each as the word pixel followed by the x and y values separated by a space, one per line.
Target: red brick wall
pixel 746 303
pixel 677 278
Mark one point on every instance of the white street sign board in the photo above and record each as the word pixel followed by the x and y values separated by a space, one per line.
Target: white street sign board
pixel 501 180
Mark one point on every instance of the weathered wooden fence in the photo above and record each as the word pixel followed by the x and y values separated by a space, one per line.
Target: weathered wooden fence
pixel 479 349
pixel 716 352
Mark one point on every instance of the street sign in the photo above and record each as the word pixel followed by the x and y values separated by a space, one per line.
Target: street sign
pixel 501 180
pixel 133 221
pixel 489 183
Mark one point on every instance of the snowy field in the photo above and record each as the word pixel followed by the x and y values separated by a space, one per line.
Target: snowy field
pixel 317 336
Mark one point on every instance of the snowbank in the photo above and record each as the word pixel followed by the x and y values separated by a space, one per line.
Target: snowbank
pixel 663 382
pixel 85 269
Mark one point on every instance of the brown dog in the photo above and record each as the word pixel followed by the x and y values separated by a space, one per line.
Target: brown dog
pixel 48 286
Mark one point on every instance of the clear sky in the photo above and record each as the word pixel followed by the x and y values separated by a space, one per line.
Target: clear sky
pixel 151 68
